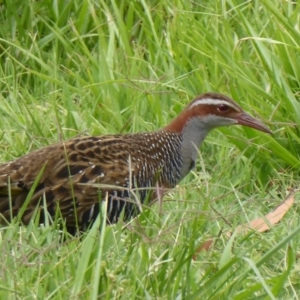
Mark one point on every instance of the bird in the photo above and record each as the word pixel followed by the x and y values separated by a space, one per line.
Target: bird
pixel 78 176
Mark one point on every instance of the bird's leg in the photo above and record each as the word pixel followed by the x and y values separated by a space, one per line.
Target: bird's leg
pixel 159 195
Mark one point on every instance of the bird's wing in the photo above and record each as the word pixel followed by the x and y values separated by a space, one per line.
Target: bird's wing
pixel 68 171
pixel 76 175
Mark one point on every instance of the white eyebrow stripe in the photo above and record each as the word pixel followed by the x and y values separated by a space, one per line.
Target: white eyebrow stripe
pixel 210 101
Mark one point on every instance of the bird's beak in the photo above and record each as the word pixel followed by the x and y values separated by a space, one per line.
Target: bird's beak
pixel 249 121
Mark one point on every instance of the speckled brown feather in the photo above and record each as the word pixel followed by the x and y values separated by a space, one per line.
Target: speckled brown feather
pixel 78 165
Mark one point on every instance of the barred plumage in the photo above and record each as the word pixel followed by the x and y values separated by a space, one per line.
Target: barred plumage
pixel 96 160
pixel 76 176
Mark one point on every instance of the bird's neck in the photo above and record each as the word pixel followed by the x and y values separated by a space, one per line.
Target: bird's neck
pixel 193 131
pixel 193 134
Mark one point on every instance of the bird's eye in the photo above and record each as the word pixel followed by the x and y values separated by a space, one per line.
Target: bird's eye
pixel 223 108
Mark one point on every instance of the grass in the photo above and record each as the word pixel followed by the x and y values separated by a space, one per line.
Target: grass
pixel 97 67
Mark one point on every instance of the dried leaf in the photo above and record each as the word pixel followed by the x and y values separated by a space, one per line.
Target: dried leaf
pixel 204 246
pixel 259 225
pixel 263 224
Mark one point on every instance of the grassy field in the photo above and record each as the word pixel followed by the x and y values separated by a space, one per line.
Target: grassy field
pixel 96 67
